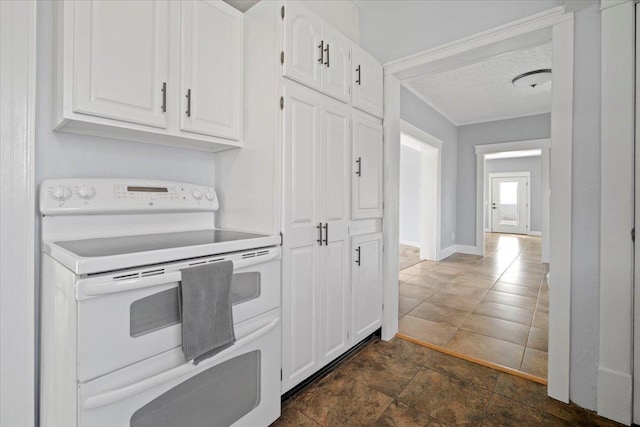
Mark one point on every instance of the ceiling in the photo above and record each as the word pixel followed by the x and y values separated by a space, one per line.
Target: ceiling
pixel 241 5
pixel 483 92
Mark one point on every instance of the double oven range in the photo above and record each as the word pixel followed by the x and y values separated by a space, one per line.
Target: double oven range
pixel 112 255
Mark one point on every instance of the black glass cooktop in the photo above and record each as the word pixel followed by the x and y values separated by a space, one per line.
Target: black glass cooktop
pixel 151 242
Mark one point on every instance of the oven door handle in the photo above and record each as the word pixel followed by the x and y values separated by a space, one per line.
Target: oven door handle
pixel 104 288
pixel 116 395
pixel 96 289
pixel 244 263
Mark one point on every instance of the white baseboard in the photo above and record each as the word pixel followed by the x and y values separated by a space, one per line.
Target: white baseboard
pixel 614 395
pixel 461 249
pixel 410 243
pixel 487 230
pixel 466 249
pixel 447 252
pixel 535 233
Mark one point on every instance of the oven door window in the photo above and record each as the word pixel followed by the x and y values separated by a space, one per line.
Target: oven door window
pixel 162 309
pixel 219 396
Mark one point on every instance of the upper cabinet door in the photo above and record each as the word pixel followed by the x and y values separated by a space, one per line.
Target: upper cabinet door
pixel 367 82
pixel 303 46
pixel 121 60
pixel 367 167
pixel 211 69
pixel 336 74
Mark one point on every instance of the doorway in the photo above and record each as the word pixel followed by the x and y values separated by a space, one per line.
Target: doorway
pixel 419 217
pixel 509 200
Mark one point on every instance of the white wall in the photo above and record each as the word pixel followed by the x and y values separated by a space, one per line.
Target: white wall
pixel 533 165
pixel 410 179
pixel 585 222
pixel 421 115
pixel 520 129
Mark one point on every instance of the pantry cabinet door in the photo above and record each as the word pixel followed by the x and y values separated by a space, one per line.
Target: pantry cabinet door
pixel 304 260
pixel 211 68
pixel 303 46
pixel 367 166
pixel 367 82
pixel 121 60
pixel 334 162
pixel 336 67
pixel 366 284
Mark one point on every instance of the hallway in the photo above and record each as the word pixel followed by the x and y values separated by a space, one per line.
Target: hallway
pixel 495 309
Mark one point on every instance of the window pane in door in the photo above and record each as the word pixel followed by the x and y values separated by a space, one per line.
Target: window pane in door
pixel 162 309
pixel 509 203
pixel 218 396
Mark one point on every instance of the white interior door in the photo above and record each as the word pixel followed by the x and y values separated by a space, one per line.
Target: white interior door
pixel 303 257
pixel 336 144
pixel 509 204
pixel 121 60
pixel 211 68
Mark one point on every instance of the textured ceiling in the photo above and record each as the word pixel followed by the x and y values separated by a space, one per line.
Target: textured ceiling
pixel 483 91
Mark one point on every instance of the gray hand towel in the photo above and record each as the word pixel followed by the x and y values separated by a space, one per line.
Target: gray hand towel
pixel 205 305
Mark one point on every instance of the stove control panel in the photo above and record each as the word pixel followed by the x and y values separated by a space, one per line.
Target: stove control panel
pixel 121 196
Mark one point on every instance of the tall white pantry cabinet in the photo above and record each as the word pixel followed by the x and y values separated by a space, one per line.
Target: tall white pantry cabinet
pixel 311 168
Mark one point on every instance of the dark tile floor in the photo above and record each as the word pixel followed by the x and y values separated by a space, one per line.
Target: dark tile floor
pixel 398 383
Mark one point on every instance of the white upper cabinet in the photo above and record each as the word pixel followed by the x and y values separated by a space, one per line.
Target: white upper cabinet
pixel 165 72
pixel 121 60
pixel 211 68
pixel 304 49
pixel 367 166
pixel 336 56
pixel 367 82
pixel 315 54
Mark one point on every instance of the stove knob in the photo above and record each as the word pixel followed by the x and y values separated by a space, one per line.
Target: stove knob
pixel 86 193
pixel 197 194
pixel 210 195
pixel 61 193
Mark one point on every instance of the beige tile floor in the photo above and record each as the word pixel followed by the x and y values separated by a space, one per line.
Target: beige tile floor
pixel 494 308
pixel 409 255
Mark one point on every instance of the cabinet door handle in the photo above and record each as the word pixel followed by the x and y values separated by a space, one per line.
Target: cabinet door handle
pixel 359 79
pixel 164 97
pixel 321 46
pixel 319 227
pixel 326 234
pixel 327 50
pixel 359 162
pixel 188 103
pixel 358 259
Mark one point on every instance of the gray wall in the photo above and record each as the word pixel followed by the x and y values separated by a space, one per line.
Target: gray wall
pixel 410 176
pixel 523 128
pixel 523 164
pixel 411 26
pixel 419 114
pixel 585 210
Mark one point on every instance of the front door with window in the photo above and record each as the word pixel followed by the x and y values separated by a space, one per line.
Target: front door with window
pixel 509 204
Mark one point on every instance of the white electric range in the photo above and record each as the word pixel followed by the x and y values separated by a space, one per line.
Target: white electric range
pixel 113 251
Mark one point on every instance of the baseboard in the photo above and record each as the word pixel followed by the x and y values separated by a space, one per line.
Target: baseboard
pixel 410 243
pixel 447 252
pixel 535 233
pixel 487 230
pixel 466 249
pixel 614 395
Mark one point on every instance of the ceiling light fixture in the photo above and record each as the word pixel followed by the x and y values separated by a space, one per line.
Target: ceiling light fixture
pixel 532 78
